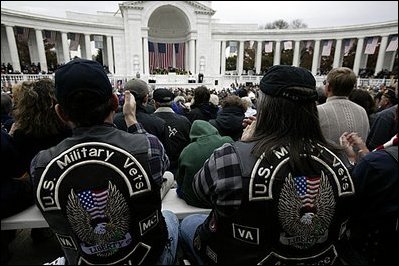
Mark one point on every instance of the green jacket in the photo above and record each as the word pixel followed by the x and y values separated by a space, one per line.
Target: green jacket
pixel 204 138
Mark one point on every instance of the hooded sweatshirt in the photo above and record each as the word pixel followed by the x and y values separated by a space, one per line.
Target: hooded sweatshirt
pixel 204 138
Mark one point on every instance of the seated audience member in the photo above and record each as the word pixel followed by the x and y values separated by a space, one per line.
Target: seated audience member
pixel 365 100
pixel 338 114
pixel 205 138
pixel 202 109
pixel 6 107
pixel 99 190
pixel 152 124
pixel 275 197
pixel 179 106
pixel 373 225
pixel 250 111
pixel 229 120
pixel 388 99
pixel 385 125
pixel 178 125
pixel 36 127
pixel 16 193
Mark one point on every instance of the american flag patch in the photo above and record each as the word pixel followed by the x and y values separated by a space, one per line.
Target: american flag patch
pixel 94 202
pixel 307 189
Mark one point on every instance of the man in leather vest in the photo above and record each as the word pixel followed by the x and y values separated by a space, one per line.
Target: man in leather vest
pixel 99 190
pixel 280 196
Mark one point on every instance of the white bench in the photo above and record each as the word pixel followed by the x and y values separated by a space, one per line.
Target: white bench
pixel 32 217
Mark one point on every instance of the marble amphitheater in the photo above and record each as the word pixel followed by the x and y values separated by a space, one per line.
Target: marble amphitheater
pixel 186 37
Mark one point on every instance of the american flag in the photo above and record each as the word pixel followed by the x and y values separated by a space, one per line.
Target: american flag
pixel 308 45
pixel 22 34
pixel 152 53
pixel 307 189
pixel 98 41
pixel 327 48
pixel 50 36
pixel 94 202
pixel 74 37
pixel 268 47
pixel 348 45
pixel 393 44
pixel 179 53
pixel 288 45
pixel 165 55
pixel 371 44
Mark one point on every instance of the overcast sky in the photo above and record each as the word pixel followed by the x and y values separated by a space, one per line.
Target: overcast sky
pixel 316 14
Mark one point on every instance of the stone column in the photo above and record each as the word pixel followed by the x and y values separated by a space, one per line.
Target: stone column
pixel 186 57
pixel 146 56
pixel 13 48
pixel 381 54
pixel 41 50
pixel 337 54
pixel 358 56
pixel 173 55
pixel 223 59
pixel 316 57
pixel 240 58
pixel 295 60
pixel 65 47
pixel 192 56
pixel 277 53
pixel 88 46
pixel 258 65
pixel 110 55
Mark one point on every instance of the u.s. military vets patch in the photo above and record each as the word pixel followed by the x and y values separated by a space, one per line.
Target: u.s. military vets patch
pixel 91 184
pixel 305 203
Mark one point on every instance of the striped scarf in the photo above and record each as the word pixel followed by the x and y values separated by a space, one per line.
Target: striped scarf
pixel 392 142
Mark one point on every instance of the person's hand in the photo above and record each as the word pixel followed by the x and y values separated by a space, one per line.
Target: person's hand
pixel 344 142
pixel 248 121
pixel 354 146
pixel 129 109
pixel 357 143
pixel 249 124
pixel 14 127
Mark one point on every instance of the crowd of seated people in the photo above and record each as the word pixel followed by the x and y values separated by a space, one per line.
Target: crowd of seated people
pixel 213 124
pixel 35 68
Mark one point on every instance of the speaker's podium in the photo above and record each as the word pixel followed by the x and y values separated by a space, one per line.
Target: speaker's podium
pixel 200 78
pixel 191 79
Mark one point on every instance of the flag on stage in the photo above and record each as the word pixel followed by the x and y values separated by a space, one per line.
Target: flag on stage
pixel 98 41
pixel 165 55
pixel 22 34
pixel 288 45
pixel 308 46
pixel 268 47
pixel 50 36
pixel 348 44
pixel 179 54
pixel 152 53
pixel 73 45
pixel 233 47
pixel 326 48
pixel 393 44
pixel 371 45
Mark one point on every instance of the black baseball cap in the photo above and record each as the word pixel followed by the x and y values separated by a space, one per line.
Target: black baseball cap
pixel 294 83
pixel 82 75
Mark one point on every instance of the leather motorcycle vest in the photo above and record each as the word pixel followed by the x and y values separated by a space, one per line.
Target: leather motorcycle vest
pixel 96 192
pixel 284 218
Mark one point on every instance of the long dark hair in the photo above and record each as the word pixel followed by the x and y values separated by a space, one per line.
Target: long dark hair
pixel 283 122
